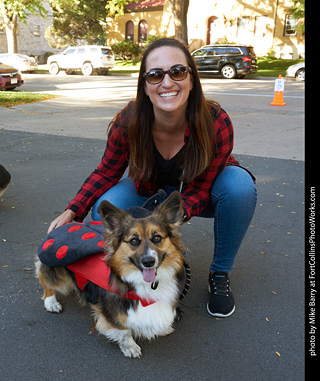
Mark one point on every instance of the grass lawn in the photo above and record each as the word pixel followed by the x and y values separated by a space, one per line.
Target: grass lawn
pixel 14 98
pixel 128 67
pixel 272 67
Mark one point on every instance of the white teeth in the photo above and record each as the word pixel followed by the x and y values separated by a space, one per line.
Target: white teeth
pixel 168 95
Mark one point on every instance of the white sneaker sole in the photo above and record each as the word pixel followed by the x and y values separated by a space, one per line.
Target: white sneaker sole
pixel 216 314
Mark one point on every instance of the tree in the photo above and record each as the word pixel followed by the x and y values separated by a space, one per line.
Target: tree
pixel 85 20
pixel 180 11
pixel 12 10
pixel 298 13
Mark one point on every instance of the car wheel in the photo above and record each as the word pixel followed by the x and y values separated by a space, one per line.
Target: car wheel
pixel 54 68
pixel 228 72
pixel 301 75
pixel 87 69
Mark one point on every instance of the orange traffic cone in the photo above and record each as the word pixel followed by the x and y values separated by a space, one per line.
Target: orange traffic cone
pixel 278 92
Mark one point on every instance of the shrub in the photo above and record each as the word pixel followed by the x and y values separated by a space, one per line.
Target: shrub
pixel 126 50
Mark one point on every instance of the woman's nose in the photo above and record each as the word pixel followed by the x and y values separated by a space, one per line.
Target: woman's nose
pixel 167 81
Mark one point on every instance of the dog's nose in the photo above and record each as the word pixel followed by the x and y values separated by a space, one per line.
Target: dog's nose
pixel 148 261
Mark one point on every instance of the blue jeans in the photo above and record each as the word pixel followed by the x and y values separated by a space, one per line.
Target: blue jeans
pixel 233 201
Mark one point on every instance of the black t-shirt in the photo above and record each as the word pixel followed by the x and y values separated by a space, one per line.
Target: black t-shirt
pixel 168 172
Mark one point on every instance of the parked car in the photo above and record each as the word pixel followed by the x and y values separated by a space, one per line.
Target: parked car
pixel 297 71
pixel 10 78
pixel 19 61
pixel 86 58
pixel 230 61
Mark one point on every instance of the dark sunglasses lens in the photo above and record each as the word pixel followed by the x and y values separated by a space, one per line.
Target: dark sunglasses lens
pixel 155 76
pixel 178 73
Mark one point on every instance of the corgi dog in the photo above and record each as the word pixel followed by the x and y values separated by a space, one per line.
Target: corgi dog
pixel 145 257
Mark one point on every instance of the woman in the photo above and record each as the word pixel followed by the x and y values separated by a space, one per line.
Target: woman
pixel 171 137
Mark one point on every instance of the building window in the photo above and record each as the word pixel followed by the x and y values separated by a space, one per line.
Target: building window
pixel 290 26
pixel 36 30
pixel 243 27
pixel 260 29
pixel 143 31
pixel 129 31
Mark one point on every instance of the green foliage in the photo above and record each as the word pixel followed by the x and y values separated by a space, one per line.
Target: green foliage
pixel 115 8
pixel 85 20
pixel 298 13
pixel 126 50
pixel 12 8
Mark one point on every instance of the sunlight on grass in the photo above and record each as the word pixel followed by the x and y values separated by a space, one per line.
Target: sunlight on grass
pixel 13 98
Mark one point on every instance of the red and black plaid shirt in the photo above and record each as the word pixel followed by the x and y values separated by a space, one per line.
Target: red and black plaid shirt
pixel 195 195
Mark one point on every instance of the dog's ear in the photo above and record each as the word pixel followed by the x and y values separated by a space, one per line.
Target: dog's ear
pixel 111 216
pixel 171 210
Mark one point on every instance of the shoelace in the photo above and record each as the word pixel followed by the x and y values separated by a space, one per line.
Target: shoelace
pixel 220 285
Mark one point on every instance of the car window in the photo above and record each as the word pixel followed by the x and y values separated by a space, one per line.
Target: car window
pixel 211 52
pixel 106 51
pixel 70 51
pixel 232 50
pixel 94 50
pixel 199 53
pixel 81 50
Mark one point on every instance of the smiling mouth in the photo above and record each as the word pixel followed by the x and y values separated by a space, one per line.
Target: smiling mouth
pixel 169 95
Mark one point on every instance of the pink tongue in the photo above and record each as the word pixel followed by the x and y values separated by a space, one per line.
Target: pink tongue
pixel 149 275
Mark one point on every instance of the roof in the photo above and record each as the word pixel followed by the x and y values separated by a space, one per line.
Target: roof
pixel 145 4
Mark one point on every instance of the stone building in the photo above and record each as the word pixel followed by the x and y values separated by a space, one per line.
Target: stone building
pixel 31 36
pixel 265 25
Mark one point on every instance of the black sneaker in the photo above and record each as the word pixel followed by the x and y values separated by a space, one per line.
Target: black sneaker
pixel 221 303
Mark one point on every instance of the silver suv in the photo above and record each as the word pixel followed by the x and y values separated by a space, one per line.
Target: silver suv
pixel 86 58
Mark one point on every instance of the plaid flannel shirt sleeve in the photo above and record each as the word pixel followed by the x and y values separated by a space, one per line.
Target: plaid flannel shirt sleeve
pixel 196 196
pixel 108 173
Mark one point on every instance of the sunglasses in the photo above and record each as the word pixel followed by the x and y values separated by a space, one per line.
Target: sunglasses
pixel 176 73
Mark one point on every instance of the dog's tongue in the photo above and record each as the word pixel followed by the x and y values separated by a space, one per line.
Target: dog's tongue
pixel 149 275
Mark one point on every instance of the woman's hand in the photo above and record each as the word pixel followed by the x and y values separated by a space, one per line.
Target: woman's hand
pixel 65 217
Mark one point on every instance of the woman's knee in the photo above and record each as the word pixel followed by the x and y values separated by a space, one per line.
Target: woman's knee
pixel 235 184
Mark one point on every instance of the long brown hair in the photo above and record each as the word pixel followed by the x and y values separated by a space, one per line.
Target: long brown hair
pixel 197 152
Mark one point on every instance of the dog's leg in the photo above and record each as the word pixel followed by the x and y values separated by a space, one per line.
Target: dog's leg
pixel 122 336
pixel 53 279
pixel 50 302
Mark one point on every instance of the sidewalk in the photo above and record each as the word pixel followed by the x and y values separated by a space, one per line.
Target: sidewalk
pixel 262 340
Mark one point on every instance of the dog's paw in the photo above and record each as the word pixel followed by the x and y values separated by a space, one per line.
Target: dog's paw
pixel 131 349
pixel 52 305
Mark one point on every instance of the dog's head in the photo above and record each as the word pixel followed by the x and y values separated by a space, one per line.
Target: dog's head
pixel 143 245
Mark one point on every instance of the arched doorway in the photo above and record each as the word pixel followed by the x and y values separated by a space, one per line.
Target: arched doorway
pixel 210 30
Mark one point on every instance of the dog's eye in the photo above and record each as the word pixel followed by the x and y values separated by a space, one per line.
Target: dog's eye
pixel 156 238
pixel 134 242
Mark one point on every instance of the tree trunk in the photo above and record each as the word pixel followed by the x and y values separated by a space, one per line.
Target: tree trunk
pixel 180 11
pixel 10 24
pixel 11 32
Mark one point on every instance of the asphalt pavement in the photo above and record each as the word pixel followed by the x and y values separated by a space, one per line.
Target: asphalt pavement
pixel 49 148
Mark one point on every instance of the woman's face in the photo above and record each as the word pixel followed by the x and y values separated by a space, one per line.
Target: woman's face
pixel 168 96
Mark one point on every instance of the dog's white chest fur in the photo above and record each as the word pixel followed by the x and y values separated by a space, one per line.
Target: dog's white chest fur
pixel 153 320
pixel 157 318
